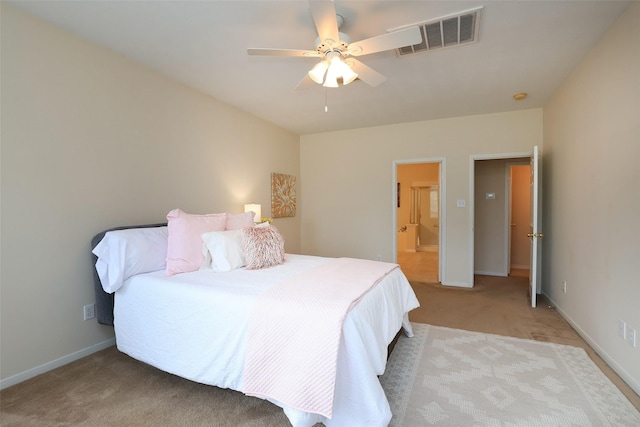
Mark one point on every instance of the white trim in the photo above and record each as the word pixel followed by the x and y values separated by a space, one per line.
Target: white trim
pixel 626 377
pixel 49 366
pixel 521 267
pixel 499 156
pixel 471 219
pixel 443 221
pixel 491 273
pixel 457 284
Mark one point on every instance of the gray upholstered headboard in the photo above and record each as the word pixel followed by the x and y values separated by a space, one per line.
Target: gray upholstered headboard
pixel 104 301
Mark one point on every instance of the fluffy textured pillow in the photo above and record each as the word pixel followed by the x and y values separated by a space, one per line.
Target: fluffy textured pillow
pixel 123 253
pixel 223 250
pixel 184 249
pixel 238 221
pixel 263 247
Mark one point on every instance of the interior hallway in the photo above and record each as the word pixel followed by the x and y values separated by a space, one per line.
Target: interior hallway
pixel 500 305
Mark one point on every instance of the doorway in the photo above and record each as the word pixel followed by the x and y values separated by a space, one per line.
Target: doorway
pixel 479 231
pixel 501 217
pixel 418 220
pixel 425 213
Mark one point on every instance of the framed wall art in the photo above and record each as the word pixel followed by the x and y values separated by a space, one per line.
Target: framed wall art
pixel 283 195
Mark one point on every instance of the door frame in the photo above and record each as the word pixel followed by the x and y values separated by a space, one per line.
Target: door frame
pixel 472 179
pixel 442 258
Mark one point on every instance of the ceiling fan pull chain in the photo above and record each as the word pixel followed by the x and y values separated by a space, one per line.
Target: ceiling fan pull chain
pixel 326 108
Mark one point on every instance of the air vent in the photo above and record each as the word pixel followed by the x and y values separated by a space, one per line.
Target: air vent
pixel 448 31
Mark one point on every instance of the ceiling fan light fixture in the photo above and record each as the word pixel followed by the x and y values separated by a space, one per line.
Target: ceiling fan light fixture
pixel 332 77
pixel 318 72
pixel 335 48
pixel 348 76
pixel 336 69
pixel 334 72
pixel 331 81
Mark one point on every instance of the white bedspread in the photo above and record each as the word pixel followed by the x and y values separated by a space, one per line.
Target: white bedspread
pixel 195 325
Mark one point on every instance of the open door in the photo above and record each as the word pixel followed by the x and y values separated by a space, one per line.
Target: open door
pixel 535 232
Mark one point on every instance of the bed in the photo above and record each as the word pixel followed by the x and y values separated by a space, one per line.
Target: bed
pixel 204 324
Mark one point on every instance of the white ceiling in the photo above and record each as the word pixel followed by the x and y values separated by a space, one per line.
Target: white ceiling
pixel 524 46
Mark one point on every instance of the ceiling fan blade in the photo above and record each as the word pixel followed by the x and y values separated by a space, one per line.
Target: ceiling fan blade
pixel 366 73
pixel 405 37
pixel 283 52
pixel 324 16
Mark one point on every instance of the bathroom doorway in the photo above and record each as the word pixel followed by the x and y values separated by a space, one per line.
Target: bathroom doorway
pixel 418 220
pixel 425 212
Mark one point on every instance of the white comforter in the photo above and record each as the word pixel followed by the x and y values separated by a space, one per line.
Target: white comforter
pixel 195 325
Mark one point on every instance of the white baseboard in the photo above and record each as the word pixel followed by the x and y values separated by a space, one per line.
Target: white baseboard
pixel 30 373
pixel 457 284
pixel 491 273
pixel 523 267
pixel 632 382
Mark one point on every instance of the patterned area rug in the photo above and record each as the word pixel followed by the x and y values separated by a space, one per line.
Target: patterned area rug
pixel 450 377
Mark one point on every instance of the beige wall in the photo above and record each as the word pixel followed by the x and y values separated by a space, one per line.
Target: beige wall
pixel 90 141
pixel 592 198
pixel 353 214
pixel 490 218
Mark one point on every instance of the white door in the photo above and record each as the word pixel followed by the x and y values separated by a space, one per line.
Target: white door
pixel 535 231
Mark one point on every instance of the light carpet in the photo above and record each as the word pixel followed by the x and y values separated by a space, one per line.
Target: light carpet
pixel 451 377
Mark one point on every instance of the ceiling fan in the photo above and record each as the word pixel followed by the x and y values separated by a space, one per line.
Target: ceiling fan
pixel 336 52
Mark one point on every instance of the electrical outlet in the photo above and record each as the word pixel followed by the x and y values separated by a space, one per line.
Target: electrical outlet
pixel 622 328
pixel 89 311
pixel 379 257
pixel 564 286
pixel 631 336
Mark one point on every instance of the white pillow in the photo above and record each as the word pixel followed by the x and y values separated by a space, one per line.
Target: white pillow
pixel 124 253
pixel 223 250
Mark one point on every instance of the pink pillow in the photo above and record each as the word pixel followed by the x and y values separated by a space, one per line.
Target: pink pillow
pixel 184 246
pixel 263 247
pixel 238 221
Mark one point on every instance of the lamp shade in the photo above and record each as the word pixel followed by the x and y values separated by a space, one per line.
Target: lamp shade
pixel 333 72
pixel 318 71
pixel 348 75
pixel 256 209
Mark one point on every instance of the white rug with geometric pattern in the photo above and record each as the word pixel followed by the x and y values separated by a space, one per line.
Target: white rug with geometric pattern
pixel 451 377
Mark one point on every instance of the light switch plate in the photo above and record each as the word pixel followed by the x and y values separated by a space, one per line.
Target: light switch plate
pixel 631 336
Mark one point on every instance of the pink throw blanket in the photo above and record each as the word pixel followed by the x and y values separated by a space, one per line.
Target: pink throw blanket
pixel 295 330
